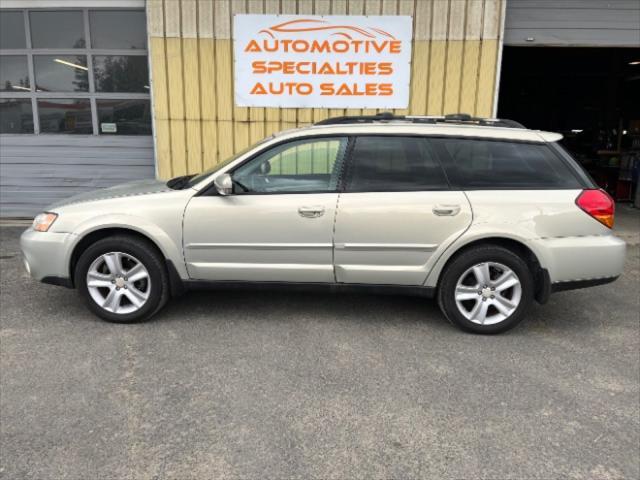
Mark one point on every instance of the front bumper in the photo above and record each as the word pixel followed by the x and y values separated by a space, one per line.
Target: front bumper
pixel 46 255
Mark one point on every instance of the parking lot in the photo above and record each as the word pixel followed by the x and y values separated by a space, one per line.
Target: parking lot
pixel 278 385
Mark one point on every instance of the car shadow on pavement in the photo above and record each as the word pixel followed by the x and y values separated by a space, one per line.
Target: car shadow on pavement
pixel 566 312
pixel 283 306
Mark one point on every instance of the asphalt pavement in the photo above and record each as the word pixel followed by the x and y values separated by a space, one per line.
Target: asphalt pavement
pixel 290 385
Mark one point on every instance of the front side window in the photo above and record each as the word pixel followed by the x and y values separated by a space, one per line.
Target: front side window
pixel 392 163
pixel 311 165
pixel 487 164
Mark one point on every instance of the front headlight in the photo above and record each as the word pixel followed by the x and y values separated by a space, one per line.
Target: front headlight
pixel 43 221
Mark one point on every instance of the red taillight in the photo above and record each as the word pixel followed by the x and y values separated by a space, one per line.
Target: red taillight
pixel 598 204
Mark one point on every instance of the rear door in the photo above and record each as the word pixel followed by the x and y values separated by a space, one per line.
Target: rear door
pixel 396 213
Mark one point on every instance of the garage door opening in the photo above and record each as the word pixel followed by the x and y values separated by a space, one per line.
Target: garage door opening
pixel 591 96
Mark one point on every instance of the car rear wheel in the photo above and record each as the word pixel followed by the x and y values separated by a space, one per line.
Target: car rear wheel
pixel 486 289
pixel 122 279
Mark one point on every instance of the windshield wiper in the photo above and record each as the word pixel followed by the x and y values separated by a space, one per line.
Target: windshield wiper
pixel 178 183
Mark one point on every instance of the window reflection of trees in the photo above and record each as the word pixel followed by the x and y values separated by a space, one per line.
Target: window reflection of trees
pixel 81 81
pixel 13 70
pixel 120 73
pixel 23 84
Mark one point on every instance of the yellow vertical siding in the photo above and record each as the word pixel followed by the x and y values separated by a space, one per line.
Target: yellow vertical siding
pixel 161 107
pixel 486 78
pixel 469 80
pixel 454 64
pixel 192 98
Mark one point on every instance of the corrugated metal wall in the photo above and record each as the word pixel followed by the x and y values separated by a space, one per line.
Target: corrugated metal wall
pixel 454 67
pixel 37 170
pixel 584 23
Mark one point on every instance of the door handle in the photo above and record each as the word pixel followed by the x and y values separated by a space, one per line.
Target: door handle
pixel 446 210
pixel 311 212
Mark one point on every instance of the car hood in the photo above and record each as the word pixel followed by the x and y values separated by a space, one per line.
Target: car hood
pixel 142 187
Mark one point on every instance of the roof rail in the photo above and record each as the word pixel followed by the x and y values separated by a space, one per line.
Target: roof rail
pixel 454 118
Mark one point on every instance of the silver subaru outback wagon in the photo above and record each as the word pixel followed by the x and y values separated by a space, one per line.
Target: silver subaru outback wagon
pixel 481 214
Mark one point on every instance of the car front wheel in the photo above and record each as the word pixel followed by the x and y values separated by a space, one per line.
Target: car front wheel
pixel 486 289
pixel 122 279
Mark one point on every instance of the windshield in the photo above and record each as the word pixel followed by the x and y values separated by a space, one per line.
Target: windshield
pixel 201 176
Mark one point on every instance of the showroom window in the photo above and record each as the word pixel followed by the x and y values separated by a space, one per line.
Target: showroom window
pixel 74 71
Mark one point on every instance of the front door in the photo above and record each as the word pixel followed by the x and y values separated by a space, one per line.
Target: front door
pixel 278 223
pixel 396 213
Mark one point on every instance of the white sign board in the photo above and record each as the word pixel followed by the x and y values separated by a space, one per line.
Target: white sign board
pixel 332 61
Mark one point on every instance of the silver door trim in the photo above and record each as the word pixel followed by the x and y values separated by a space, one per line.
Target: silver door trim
pixel 259 246
pixel 263 266
pixel 382 268
pixel 426 247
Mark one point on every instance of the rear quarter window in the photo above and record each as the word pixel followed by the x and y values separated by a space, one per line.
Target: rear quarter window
pixel 493 164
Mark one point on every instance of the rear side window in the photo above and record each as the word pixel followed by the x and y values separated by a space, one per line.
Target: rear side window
pixel 488 164
pixel 391 164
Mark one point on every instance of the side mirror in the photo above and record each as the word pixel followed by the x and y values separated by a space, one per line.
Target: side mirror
pixel 265 168
pixel 224 184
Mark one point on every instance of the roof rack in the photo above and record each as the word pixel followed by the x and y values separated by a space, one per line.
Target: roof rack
pixel 454 118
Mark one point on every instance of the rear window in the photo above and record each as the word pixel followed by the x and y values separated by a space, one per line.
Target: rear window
pixel 492 164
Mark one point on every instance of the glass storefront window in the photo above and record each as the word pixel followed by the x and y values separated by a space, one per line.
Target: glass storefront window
pixel 120 73
pixel 16 115
pixel 12 30
pixel 61 73
pixel 120 29
pixel 102 58
pixel 57 29
pixel 124 117
pixel 65 115
pixel 14 74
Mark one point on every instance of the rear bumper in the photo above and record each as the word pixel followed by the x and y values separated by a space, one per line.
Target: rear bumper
pixel 575 285
pixel 583 261
pixel 46 255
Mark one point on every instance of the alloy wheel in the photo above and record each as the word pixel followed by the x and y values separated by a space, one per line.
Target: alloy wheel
pixel 118 282
pixel 488 293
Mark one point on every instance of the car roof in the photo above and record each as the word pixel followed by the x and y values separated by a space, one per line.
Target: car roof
pixel 426 129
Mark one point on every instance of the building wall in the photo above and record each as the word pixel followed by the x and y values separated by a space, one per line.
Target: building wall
pixel 570 23
pixel 39 169
pixel 36 170
pixel 455 63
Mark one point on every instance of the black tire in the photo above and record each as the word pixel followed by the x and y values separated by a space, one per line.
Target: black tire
pixel 466 260
pixel 143 251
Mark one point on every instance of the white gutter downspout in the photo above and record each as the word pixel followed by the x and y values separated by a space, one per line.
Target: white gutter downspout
pixel 503 14
pixel 153 107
